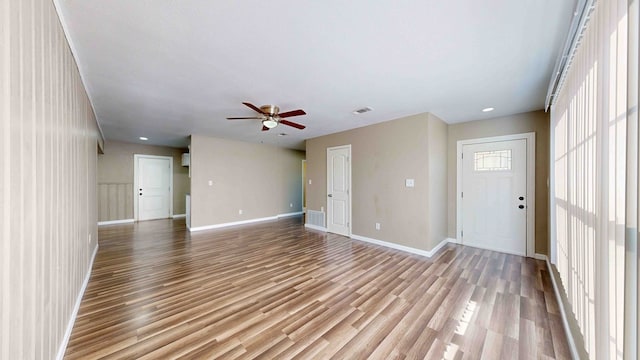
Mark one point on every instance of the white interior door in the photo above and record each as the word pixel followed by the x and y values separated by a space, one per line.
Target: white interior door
pixel 338 190
pixel 153 187
pixel 494 196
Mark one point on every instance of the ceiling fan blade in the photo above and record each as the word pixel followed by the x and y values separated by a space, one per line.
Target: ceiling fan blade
pixel 244 118
pixel 253 107
pixel 295 125
pixel 264 128
pixel 292 113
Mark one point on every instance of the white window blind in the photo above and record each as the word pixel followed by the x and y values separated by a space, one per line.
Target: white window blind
pixel 594 195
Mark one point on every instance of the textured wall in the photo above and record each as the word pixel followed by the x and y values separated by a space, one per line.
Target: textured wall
pixel 115 178
pixel 115 201
pixel 260 180
pixel 383 156
pixel 48 141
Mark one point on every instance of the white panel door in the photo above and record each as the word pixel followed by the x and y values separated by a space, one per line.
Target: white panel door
pixel 494 190
pixel 153 187
pixel 338 188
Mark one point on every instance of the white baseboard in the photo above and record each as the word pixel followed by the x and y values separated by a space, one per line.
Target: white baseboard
pixel 454 241
pixel 233 223
pixel 67 334
pixel 291 214
pixel 563 313
pixel 402 247
pixel 315 227
pixel 128 221
pixel 542 257
pixel 114 222
pixel 242 222
pixel 443 243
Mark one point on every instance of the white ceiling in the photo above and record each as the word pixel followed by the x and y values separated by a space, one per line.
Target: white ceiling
pixel 166 69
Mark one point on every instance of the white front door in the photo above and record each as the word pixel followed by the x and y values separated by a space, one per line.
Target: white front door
pixel 153 187
pixel 494 196
pixel 338 190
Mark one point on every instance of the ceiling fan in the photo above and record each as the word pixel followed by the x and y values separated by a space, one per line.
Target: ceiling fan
pixel 270 116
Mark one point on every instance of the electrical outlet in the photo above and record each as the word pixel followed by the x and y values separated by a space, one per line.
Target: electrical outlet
pixel 210 182
pixel 240 212
pixel 321 208
pixel 377 226
pixel 309 181
pixel 290 205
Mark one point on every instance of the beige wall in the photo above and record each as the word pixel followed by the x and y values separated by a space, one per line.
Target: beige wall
pixel 115 178
pixel 259 179
pixel 383 156
pixel 437 167
pixel 48 136
pixel 538 122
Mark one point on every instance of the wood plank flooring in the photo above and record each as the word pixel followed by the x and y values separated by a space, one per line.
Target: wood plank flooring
pixel 275 290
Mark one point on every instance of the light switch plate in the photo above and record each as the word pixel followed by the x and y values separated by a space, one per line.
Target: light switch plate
pixel 409 183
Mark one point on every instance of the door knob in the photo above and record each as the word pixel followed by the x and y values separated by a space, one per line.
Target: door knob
pixel 520 206
pixel 330 195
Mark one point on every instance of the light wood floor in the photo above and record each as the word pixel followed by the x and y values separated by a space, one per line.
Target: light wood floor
pixel 275 290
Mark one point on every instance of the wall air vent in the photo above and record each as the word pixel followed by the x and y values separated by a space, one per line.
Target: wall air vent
pixel 362 110
pixel 315 218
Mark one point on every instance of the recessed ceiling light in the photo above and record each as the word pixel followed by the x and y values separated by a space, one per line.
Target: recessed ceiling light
pixel 362 110
pixel 488 109
pixel 143 138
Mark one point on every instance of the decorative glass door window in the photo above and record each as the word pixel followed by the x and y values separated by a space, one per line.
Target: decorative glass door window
pixel 497 160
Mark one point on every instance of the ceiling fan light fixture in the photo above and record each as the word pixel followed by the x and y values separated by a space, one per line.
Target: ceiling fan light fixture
pixel 269 123
pixel 270 116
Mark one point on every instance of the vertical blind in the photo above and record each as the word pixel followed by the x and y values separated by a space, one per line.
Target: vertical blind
pixel 594 197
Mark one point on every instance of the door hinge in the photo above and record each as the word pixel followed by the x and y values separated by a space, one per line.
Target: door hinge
pixel 462 154
pixel 462 194
pixel 461 233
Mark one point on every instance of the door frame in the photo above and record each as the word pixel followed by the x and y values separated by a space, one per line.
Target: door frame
pixel 530 176
pixel 304 185
pixel 350 187
pixel 136 157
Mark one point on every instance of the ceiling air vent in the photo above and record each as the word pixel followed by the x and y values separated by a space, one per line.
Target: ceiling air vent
pixel 362 110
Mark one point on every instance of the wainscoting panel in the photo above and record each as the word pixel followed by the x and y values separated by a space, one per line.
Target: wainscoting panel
pixel 115 201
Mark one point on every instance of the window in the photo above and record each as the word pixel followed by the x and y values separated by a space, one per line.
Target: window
pixel 594 184
pixel 496 160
